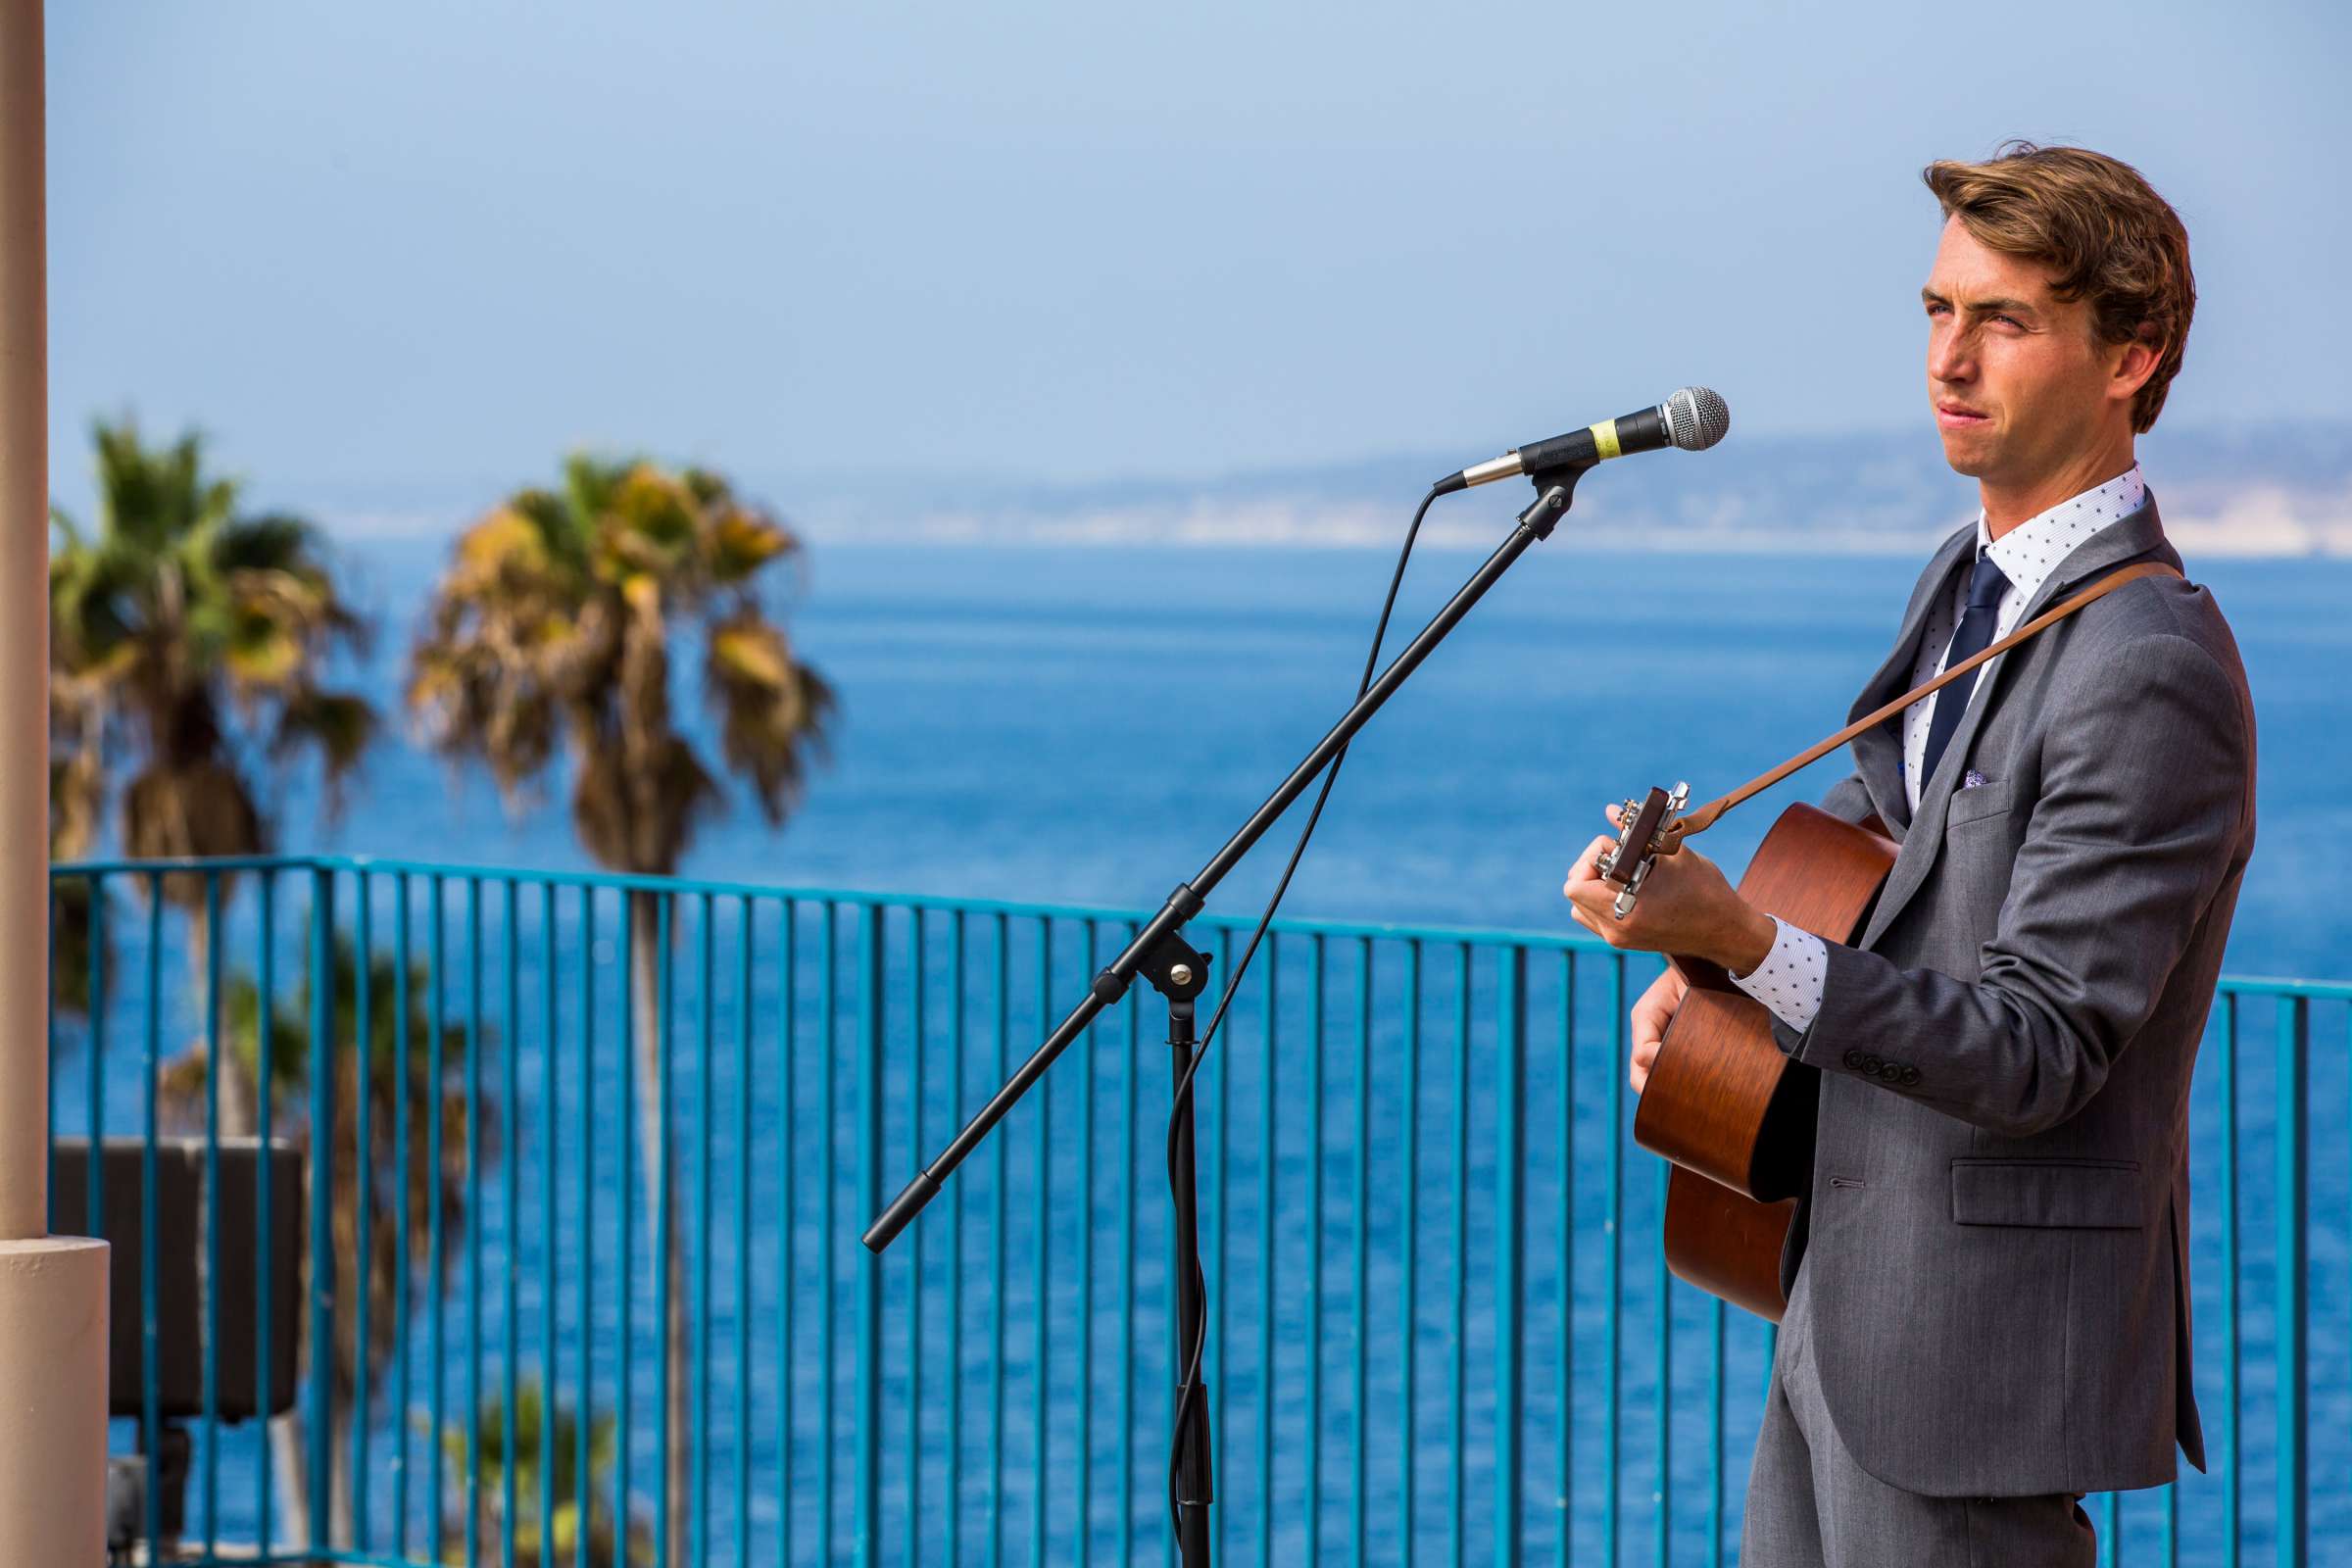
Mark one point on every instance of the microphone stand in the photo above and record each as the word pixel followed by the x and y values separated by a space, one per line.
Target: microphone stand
pixel 1178 971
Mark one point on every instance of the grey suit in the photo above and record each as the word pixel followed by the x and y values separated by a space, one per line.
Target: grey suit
pixel 1994 1243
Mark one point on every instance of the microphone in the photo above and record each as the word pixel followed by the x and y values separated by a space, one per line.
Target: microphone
pixel 1693 418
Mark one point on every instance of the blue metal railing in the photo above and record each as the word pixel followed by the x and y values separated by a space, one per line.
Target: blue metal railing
pixel 1442 1331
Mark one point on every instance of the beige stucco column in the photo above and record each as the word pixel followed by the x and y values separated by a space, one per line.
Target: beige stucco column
pixel 52 1288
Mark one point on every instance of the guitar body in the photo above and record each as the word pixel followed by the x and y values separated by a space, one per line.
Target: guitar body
pixel 1724 1103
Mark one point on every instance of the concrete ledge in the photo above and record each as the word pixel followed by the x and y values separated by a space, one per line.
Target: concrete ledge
pixel 53 1401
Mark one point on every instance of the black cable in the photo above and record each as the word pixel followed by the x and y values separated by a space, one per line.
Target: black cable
pixel 1232 985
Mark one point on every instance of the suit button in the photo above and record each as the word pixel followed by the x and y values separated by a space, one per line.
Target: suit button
pixel 1892 1072
pixel 1910 1075
pixel 1870 1063
pixel 1854 1060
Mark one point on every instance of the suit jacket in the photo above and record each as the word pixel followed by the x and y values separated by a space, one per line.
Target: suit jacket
pixel 1997 1222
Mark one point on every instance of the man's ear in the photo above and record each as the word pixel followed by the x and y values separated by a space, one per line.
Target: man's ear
pixel 2135 361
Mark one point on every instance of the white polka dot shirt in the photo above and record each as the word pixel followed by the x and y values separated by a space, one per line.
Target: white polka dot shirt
pixel 1789 979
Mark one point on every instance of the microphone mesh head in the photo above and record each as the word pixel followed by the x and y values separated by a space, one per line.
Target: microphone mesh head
pixel 1695 418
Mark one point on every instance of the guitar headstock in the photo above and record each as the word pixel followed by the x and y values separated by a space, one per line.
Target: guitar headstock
pixel 1640 840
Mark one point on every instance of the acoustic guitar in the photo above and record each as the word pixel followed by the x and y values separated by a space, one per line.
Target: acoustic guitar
pixel 1724 1104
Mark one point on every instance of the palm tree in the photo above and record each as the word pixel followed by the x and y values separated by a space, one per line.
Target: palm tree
pixel 484 1483
pixel 186 636
pixel 403 1179
pixel 551 632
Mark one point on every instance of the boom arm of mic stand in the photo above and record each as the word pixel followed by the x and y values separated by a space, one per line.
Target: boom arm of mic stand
pixel 1555 489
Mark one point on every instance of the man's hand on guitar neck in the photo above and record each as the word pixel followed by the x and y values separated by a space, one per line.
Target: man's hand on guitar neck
pixel 1687 907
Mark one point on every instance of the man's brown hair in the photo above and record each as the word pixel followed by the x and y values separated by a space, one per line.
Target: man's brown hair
pixel 2102 230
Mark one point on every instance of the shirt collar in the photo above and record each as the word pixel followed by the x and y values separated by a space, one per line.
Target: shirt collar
pixel 2030 551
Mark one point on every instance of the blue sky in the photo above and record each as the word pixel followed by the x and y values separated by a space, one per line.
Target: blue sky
pixel 389 246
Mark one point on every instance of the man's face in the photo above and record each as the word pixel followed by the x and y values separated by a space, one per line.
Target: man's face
pixel 2019 384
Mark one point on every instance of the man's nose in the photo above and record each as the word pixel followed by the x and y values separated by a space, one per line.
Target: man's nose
pixel 1950 358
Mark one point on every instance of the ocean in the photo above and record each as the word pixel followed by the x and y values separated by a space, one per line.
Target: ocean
pixel 1089 725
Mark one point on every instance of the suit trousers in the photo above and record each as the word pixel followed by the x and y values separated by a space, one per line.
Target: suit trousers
pixel 1810 1505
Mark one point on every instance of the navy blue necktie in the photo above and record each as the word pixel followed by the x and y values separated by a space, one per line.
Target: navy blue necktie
pixel 1975 630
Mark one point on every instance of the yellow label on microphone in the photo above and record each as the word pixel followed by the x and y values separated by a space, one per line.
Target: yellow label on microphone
pixel 1604 437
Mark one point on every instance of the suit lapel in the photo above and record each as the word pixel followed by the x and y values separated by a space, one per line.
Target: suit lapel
pixel 1879 750
pixel 2138 534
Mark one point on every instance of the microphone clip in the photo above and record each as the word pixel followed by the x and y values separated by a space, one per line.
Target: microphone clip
pixel 1555 492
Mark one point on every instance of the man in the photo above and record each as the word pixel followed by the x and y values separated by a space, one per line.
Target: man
pixel 1989 1276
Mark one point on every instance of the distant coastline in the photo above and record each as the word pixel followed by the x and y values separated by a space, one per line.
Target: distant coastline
pixel 2279 490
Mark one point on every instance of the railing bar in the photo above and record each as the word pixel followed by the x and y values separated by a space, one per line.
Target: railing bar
pixel 1086 1270
pixel 510 1162
pixel 1510 1027
pixel 1039 1363
pixel 1168 1316
pixel 788 1035
pixel 916 1150
pixel 264 1234
pixel 551 1268
pixel 665 996
pixel 869 1199
pixel 94 1181
pixel 1314 1457
pixel 744 934
pixel 1662 1411
pixel 996 1231
pixel 1457 1499
pixel 2229 1363
pixel 1565 1481
pixel 1360 1241
pixel 584 1420
pixel 322 1067
pixel 1221 1197
pixel 828 1007
pixel 403 1081
pixel 150 1411
pixel 1267 1161
pixel 362 1235
pixel 700 1348
pixel 1615 1256
pixel 1128 1103
pixel 472 1415
pixel 473 1213
pixel 1408 1222
pixel 956 1034
pixel 624 1229
pixel 2110 1549
pixel 214 940
pixel 2293 1072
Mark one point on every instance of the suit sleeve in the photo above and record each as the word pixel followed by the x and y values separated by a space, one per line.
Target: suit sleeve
pixel 2143 798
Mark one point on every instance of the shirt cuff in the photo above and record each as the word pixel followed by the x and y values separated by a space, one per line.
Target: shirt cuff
pixel 1789 979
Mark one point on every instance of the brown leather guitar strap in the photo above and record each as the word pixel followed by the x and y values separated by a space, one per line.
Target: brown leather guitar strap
pixel 1698 821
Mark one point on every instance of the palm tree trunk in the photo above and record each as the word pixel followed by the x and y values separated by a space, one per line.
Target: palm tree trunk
pixel 238 1120
pixel 652 1117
